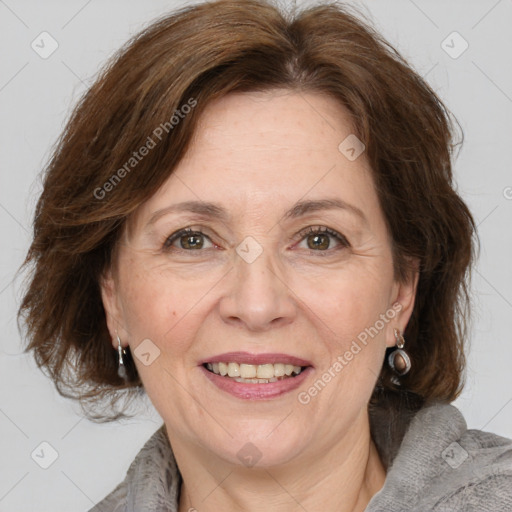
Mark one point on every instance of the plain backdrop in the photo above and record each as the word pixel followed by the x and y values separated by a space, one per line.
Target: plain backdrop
pixel 36 97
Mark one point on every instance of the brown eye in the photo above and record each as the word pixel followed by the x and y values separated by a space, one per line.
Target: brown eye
pixel 320 239
pixel 191 241
pixel 186 240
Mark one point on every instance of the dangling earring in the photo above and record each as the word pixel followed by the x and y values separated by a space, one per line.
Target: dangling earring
pixel 121 370
pixel 399 359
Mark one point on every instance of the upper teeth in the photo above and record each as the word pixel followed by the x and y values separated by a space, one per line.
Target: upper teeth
pixel 249 371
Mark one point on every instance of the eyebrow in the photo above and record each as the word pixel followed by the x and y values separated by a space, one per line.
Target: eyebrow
pixel 299 209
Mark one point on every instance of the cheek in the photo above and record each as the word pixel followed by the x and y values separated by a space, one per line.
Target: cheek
pixel 353 315
pixel 349 300
pixel 357 315
pixel 162 305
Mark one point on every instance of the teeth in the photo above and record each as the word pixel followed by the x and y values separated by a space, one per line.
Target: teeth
pixel 247 371
pixel 233 369
pixel 255 373
pixel 279 370
pixel 256 381
pixel 223 369
pixel 265 371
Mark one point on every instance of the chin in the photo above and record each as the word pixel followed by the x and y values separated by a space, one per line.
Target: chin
pixel 261 445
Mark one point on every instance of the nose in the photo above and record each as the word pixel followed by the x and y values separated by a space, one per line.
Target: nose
pixel 258 296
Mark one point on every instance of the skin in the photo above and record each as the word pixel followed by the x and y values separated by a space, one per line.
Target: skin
pixel 257 154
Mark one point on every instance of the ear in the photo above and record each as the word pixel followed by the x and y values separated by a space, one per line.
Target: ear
pixel 113 309
pixel 403 300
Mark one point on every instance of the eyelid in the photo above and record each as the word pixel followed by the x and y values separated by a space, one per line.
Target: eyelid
pixel 301 235
pixel 189 230
pixel 323 230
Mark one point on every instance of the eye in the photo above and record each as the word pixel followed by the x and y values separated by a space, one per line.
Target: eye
pixel 318 238
pixel 187 240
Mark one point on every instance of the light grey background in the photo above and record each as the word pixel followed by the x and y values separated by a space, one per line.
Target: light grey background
pixel 36 96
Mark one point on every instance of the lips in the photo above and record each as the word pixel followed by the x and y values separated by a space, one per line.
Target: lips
pixel 256 359
pixel 256 390
pixel 256 376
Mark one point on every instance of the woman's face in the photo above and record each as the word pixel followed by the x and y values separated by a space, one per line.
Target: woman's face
pixel 288 262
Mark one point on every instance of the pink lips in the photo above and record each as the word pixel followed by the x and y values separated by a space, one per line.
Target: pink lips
pixel 247 358
pixel 251 391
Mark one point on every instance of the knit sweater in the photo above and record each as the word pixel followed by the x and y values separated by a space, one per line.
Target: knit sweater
pixel 439 466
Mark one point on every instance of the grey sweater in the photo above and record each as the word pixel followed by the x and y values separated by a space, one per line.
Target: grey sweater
pixel 439 466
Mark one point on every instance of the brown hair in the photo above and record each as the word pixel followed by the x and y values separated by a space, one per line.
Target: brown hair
pixel 191 57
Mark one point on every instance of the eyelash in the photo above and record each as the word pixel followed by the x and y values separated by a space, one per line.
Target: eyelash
pixel 311 230
pixel 314 230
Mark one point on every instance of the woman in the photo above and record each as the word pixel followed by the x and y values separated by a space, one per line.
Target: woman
pixel 250 217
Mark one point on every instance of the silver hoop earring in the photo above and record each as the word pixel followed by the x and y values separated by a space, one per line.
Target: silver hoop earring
pixel 399 359
pixel 121 370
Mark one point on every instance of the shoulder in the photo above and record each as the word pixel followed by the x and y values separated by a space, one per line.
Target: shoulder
pixel 114 502
pixel 151 482
pixel 491 494
pixel 480 467
pixel 474 467
pixel 442 466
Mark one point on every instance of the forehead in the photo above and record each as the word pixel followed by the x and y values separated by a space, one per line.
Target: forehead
pixel 264 151
pixel 278 116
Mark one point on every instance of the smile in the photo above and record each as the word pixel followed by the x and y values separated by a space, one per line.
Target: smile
pixel 255 373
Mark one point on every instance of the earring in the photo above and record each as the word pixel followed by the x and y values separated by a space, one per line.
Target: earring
pixel 121 370
pixel 399 359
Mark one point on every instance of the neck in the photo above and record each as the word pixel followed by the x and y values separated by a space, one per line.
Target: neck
pixel 341 478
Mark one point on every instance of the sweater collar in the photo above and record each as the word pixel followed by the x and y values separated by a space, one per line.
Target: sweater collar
pixel 423 459
pixel 153 480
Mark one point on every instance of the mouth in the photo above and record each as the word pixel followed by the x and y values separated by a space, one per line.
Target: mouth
pixel 255 373
pixel 256 376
